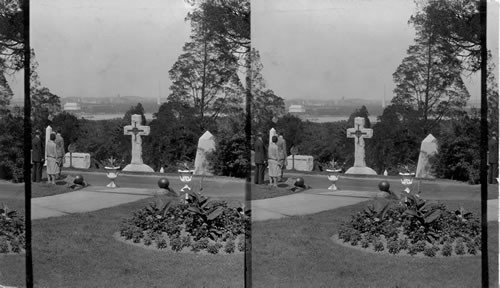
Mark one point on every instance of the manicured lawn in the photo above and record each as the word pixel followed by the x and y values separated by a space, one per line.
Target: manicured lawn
pixel 79 250
pixel 298 252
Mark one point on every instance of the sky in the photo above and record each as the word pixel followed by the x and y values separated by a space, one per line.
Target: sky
pixel 94 48
pixel 330 49
pixel 325 49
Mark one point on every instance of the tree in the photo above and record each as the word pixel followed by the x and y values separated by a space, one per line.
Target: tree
pixel 455 23
pixel 206 78
pixel 44 105
pixel 395 139
pixel 11 146
pixel 5 93
pixel 429 80
pixel 492 96
pixel 173 137
pixel 361 112
pixel 458 150
pixel 11 35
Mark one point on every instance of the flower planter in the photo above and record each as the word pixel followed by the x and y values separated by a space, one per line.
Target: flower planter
pixel 112 174
pixel 186 176
pixel 333 176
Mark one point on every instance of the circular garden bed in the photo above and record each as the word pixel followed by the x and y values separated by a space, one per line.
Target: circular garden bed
pixel 194 225
pixel 413 227
pixel 12 237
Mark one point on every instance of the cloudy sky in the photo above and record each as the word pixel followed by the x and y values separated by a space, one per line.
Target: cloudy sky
pixel 336 48
pixel 107 47
pixel 309 48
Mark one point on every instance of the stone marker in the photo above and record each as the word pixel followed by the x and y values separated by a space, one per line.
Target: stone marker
pixel 136 131
pixel 302 162
pixel 427 149
pixel 272 133
pixel 359 132
pixel 206 145
pixel 77 160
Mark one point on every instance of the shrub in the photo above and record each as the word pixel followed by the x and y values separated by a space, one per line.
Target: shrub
pixel 230 246
pixel 176 244
pixel 393 247
pixel 365 243
pixel 161 243
pixel 147 240
pixel 447 249
pixel 429 251
pixel 186 241
pixel 413 249
pixel 403 244
pixel 213 248
pixel 471 247
pixel 459 247
pixel 241 243
pixel 378 246
pixel 4 246
pixel 203 243
pixel 195 246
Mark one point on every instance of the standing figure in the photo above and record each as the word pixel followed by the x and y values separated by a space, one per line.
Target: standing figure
pixel 60 152
pixel 260 159
pixel 493 158
pixel 51 159
pixel 282 154
pixel 37 157
pixel 274 166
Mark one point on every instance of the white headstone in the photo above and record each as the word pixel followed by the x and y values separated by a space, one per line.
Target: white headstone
pixel 48 131
pixel 136 131
pixel 300 162
pixel 206 144
pixel 77 160
pixel 272 133
pixel 428 148
pixel 359 132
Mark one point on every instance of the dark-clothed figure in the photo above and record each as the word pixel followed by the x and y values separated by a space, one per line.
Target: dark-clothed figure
pixel 60 152
pixel 493 159
pixel 260 159
pixel 37 157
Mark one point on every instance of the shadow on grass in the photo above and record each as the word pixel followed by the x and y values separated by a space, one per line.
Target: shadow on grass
pixel 298 252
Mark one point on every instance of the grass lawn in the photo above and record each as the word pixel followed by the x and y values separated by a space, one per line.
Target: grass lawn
pixel 298 252
pixel 264 191
pixel 78 250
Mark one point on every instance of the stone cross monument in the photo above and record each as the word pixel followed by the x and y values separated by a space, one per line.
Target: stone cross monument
pixel 136 131
pixel 359 132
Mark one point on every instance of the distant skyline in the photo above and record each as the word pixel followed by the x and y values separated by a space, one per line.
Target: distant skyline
pixel 323 49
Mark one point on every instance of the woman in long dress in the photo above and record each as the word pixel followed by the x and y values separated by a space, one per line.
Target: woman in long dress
pixel 273 161
pixel 52 159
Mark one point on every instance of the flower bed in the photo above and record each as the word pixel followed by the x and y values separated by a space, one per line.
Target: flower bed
pixel 195 225
pixel 413 227
pixel 12 237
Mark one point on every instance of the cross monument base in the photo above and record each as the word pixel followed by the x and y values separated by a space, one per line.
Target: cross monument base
pixel 138 168
pixel 361 170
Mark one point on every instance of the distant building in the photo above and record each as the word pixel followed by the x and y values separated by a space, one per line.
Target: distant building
pixel 296 109
pixel 71 107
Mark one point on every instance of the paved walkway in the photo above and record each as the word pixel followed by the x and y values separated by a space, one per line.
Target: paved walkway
pixel 89 199
pixel 311 201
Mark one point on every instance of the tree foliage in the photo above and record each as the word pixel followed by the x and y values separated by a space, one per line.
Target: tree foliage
pixel 429 80
pixel 11 146
pixel 455 23
pixel 11 35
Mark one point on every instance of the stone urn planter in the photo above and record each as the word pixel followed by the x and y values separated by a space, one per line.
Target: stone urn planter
pixel 186 176
pixel 406 180
pixel 333 176
pixel 112 174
